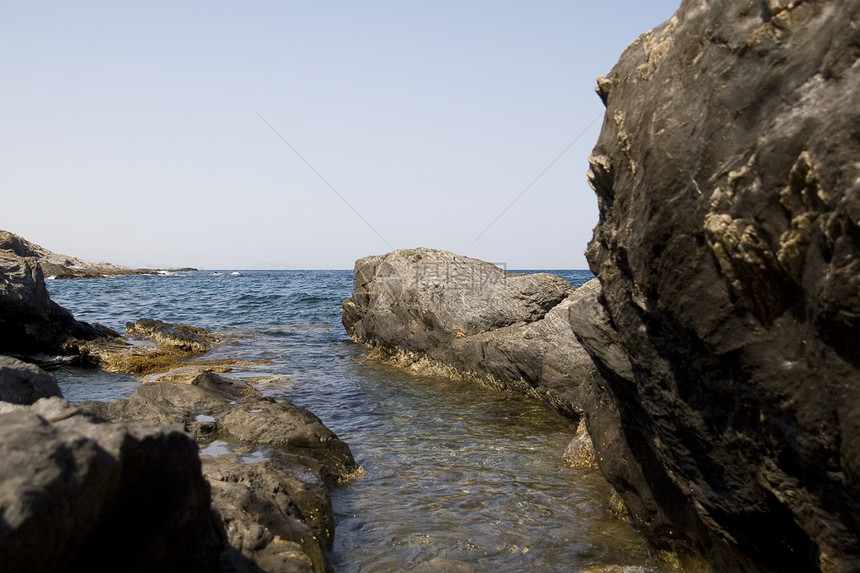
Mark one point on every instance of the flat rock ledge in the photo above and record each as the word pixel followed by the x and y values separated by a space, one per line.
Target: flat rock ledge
pixel 438 312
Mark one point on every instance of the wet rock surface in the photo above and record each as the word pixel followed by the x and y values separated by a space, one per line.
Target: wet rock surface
pixel 277 512
pixel 182 337
pixel 453 315
pixel 274 462
pixel 77 494
pixel 727 413
pixel 148 346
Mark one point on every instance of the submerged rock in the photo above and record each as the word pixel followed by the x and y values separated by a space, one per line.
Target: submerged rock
pixel 728 411
pixel 440 312
pixel 76 495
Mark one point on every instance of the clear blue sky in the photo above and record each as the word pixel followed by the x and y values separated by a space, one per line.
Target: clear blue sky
pixel 130 130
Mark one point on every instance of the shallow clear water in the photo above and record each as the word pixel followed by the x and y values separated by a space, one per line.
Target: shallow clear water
pixel 457 477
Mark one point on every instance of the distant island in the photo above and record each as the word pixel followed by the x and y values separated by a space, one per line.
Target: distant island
pixel 67 267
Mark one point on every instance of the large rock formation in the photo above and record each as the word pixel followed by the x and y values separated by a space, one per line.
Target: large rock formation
pixel 78 495
pixel 440 312
pixel 728 179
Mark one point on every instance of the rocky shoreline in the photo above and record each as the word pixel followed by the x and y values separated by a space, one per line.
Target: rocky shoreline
pixel 194 472
pixel 714 359
pixel 56 266
pixel 721 384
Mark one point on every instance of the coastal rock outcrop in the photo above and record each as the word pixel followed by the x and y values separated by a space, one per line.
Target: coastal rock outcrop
pixel 30 322
pixel 78 495
pixel 64 266
pixel 448 314
pixel 269 464
pixel 727 413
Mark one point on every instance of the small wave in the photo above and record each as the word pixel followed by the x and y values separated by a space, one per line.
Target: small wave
pixel 235 274
pixel 260 297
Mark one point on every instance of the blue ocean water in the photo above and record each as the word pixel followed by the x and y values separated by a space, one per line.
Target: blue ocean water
pixel 457 477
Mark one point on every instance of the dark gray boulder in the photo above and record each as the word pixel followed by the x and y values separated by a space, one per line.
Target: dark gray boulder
pixel 211 406
pixel 293 429
pixel 23 383
pixel 79 495
pixel 30 322
pixel 728 410
pixel 449 314
pixel 270 486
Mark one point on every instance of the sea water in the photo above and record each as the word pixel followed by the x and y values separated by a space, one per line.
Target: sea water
pixel 457 477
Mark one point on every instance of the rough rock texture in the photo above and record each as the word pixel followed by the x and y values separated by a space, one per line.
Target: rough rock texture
pixel 76 495
pixel 728 179
pixel 275 511
pixel 441 311
pixel 580 452
pixel 270 486
pixel 30 322
pixel 192 339
pixel 64 266
pixel 149 346
pixel 23 383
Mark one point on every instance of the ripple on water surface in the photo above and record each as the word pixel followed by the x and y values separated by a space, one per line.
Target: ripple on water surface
pixel 458 478
pixel 469 476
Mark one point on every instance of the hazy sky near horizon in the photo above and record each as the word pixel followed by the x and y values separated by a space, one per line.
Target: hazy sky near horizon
pixel 139 133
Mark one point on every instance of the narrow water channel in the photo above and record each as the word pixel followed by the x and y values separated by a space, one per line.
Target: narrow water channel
pixel 457 477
